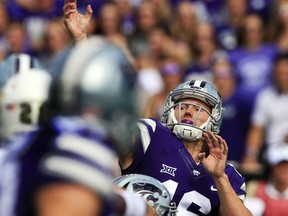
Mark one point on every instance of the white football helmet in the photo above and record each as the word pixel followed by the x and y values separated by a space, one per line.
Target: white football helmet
pixel 23 98
pixel 195 89
pixel 152 190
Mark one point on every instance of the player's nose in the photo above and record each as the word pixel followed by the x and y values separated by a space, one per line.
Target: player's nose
pixel 190 111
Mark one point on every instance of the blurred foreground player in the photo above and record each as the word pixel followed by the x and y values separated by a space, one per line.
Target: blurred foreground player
pixel 57 170
pixel 66 167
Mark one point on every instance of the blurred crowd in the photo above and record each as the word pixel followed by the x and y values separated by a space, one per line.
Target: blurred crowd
pixel 241 46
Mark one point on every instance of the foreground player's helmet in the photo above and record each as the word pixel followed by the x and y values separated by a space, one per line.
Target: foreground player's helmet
pixel 195 89
pixel 23 101
pixel 152 191
pixel 17 63
pixel 98 83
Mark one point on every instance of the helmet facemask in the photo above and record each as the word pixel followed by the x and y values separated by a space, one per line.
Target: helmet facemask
pixel 188 130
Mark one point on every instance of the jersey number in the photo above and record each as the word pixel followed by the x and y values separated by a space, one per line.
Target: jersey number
pixel 189 200
pixel 26 113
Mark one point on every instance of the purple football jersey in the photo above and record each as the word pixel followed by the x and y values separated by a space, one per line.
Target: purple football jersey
pixel 24 171
pixel 162 155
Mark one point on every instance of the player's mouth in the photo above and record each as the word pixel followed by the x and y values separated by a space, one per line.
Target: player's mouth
pixel 187 121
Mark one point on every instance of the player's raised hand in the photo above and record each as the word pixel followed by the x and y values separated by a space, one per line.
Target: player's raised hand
pixel 76 23
pixel 215 163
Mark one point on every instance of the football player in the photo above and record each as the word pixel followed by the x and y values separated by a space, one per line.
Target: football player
pixel 183 151
pixel 57 170
pixel 24 90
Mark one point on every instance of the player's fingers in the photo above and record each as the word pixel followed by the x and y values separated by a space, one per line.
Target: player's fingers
pixel 70 1
pixel 208 140
pixel 89 11
pixel 69 6
pixel 201 156
pixel 214 139
pixel 220 141
pixel 68 13
pixel 225 147
pixel 68 9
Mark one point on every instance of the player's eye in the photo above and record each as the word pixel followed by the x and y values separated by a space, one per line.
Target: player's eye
pixel 184 106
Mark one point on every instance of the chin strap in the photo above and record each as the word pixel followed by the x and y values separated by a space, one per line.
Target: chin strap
pixel 190 133
pixel 187 133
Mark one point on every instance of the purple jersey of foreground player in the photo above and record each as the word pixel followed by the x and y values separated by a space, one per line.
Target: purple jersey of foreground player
pixel 160 154
pixel 23 172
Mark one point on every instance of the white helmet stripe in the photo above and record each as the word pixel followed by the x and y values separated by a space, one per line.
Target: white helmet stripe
pixel 23 63
pixel 197 83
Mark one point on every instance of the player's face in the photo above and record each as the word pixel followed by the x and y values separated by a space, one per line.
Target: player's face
pixel 192 111
pixel 67 200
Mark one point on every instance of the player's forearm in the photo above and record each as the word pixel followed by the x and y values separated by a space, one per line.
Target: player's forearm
pixel 230 204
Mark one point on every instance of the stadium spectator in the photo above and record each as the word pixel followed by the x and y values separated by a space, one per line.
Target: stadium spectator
pixel 278 25
pixel 184 23
pixel 4 23
pixel 34 15
pixel 146 19
pixel 172 75
pixel 205 52
pixel 57 45
pixel 269 122
pixel 17 39
pixel 253 60
pixel 236 120
pixel 227 31
pixel 271 192
pixel 128 20
pixel 163 9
